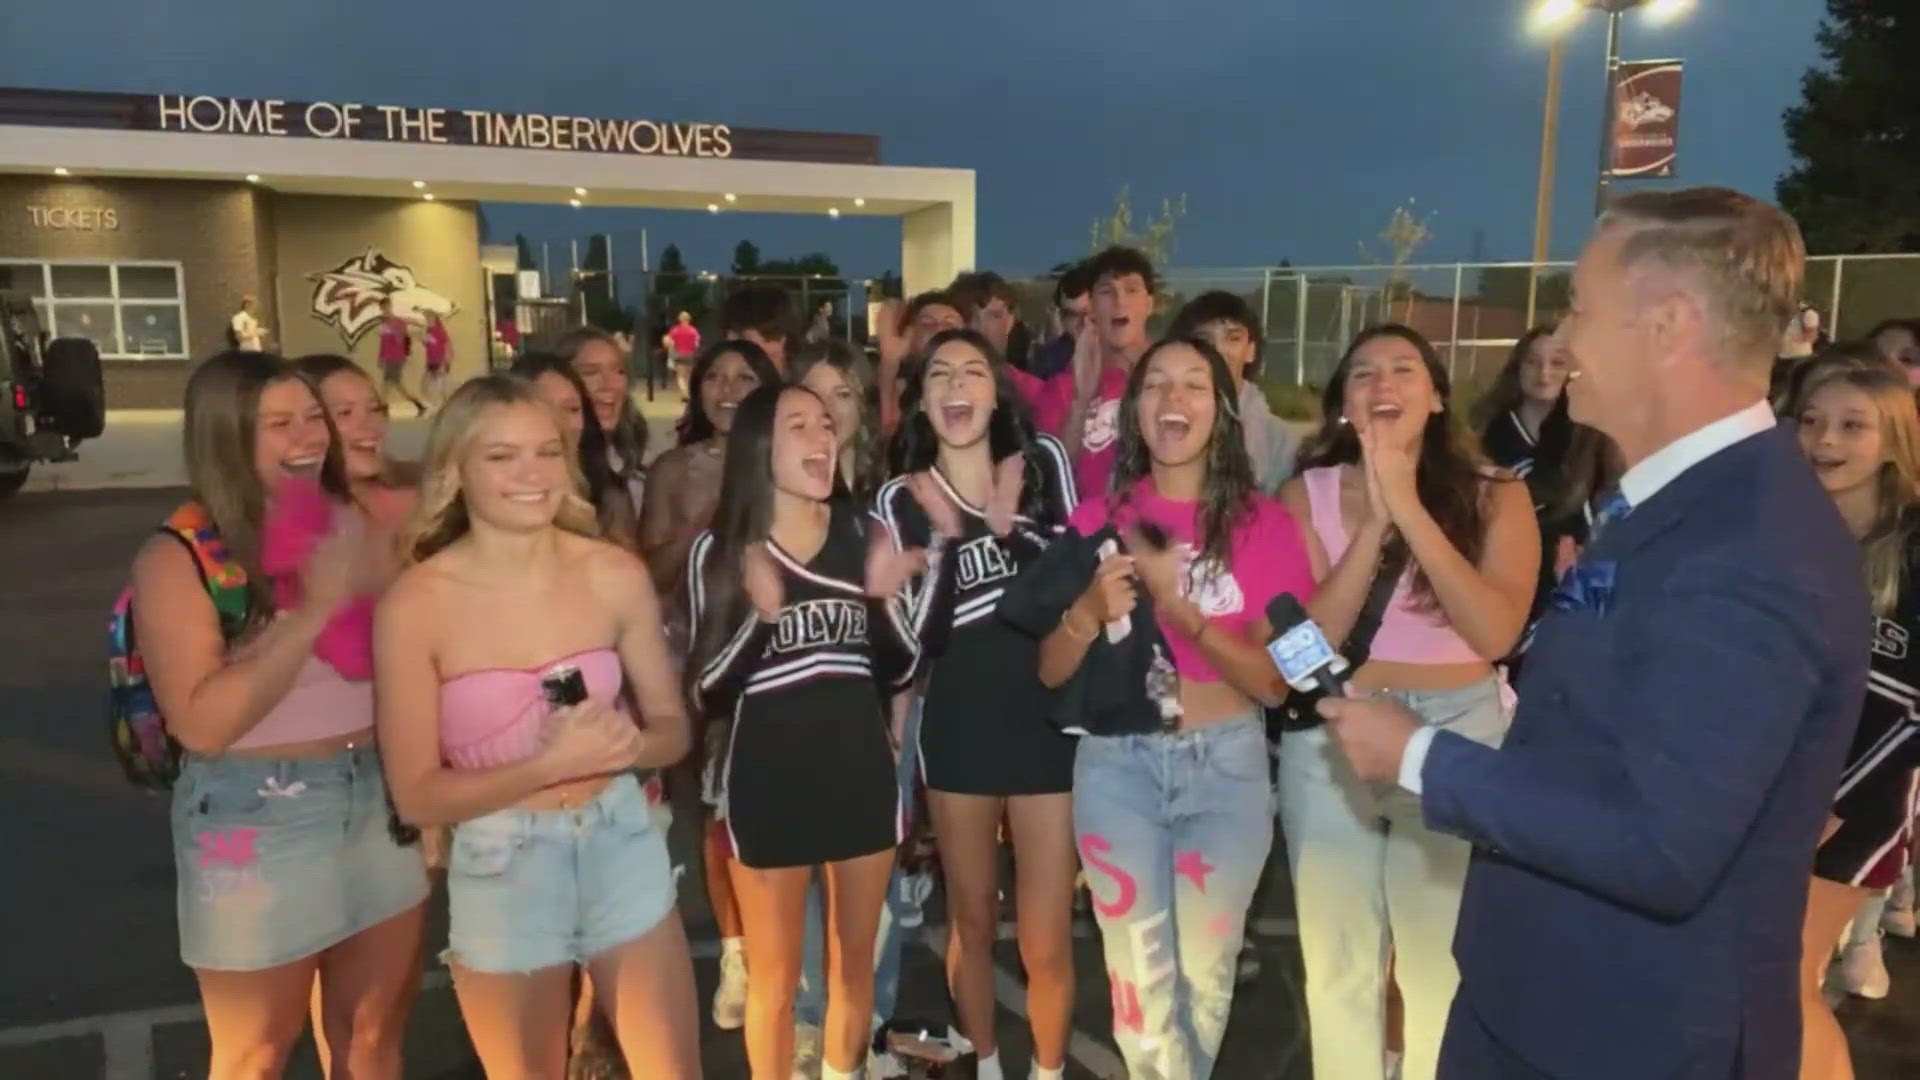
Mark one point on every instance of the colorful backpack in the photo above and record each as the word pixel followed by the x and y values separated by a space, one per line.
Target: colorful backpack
pixel 147 753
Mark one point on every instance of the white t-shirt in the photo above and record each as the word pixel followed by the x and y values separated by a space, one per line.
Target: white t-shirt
pixel 248 332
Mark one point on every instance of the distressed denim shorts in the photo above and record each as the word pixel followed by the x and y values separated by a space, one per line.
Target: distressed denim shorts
pixel 279 859
pixel 530 889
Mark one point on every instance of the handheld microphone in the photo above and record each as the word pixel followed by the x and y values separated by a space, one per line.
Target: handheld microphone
pixel 1301 651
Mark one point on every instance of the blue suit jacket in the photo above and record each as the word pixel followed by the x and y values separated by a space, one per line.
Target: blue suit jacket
pixel 1644 838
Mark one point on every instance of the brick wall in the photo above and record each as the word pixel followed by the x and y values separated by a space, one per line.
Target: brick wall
pixel 216 231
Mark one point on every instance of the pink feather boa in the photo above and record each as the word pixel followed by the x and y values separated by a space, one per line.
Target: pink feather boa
pixel 299 517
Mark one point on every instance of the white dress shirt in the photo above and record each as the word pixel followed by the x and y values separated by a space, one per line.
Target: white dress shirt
pixel 1640 483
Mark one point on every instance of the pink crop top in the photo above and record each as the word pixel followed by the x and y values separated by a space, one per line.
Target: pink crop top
pixel 321 705
pixel 1408 634
pixel 493 716
pixel 1268 556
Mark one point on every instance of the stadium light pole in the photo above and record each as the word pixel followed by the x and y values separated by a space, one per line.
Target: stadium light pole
pixel 1554 18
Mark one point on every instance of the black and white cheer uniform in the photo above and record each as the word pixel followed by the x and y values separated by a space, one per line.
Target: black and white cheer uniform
pixel 1875 802
pixel 808 776
pixel 984 727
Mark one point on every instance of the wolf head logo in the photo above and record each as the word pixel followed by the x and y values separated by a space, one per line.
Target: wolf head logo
pixel 1645 109
pixel 348 297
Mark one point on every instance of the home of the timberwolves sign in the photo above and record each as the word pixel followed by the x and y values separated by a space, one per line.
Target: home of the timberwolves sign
pixel 209 114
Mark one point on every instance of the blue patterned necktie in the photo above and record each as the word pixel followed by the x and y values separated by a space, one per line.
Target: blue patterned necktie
pixel 1607 507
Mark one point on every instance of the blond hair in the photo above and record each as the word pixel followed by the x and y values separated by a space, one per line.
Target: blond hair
pixel 1897 484
pixel 440 516
pixel 1745 257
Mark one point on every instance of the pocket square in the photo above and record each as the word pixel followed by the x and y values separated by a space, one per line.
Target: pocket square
pixel 1586 586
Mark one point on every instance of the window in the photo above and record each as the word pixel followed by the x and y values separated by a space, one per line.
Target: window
pixel 128 310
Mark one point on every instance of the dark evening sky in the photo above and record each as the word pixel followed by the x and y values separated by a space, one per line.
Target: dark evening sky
pixel 1292 127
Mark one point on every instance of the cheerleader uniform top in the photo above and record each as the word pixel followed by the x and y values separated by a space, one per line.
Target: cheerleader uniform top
pixel 808 776
pixel 1876 796
pixel 984 727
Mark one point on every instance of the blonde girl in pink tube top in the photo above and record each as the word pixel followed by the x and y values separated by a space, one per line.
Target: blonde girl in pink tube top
pixel 287 870
pixel 1392 479
pixel 509 607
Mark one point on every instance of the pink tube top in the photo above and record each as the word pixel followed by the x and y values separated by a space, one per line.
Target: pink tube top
pixel 1408 634
pixel 493 716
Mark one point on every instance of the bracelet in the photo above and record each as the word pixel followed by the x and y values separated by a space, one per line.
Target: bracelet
pixel 1066 624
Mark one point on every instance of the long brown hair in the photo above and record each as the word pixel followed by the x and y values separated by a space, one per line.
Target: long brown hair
pixel 1505 393
pixel 1451 476
pixel 440 516
pixel 221 434
pixel 1226 495
pixel 1897 483
pixel 628 438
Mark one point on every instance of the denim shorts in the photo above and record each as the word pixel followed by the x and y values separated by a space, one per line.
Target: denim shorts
pixel 278 859
pixel 531 889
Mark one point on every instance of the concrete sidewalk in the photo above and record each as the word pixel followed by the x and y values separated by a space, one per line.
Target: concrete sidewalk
pixel 141 448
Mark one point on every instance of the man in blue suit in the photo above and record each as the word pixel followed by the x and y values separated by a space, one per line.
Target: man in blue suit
pixel 1644 837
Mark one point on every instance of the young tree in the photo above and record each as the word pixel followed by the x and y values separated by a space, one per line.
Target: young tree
pixel 1855 136
pixel 1154 238
pixel 1406 233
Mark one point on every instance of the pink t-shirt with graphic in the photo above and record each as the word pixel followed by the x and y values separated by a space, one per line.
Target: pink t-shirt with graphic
pixel 1267 557
pixel 1051 401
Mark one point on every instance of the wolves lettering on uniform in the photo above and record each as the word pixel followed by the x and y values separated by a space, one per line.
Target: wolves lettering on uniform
pixel 812 623
pixel 1889 639
pixel 982 560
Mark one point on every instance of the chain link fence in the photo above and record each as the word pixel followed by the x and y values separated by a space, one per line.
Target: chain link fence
pixel 1472 312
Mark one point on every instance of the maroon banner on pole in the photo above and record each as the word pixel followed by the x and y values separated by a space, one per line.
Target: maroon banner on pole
pixel 1646 118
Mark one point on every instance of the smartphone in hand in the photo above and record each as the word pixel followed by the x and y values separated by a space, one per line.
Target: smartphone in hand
pixel 564 687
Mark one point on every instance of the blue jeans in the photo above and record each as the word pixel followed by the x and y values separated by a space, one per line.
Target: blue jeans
pixel 810 1000
pixel 1369 876
pixel 1173 831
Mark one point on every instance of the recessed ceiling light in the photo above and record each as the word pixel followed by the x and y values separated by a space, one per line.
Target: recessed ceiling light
pixel 573 202
pixel 580 191
pixel 859 201
pixel 61 171
pixel 253 178
pixel 428 196
pixel 419 184
pixel 833 211
pixel 731 197
pixel 713 208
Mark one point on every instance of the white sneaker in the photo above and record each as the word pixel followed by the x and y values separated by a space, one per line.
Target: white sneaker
pixel 915 888
pixel 1898 918
pixel 730 999
pixel 1864 971
pixel 808 1044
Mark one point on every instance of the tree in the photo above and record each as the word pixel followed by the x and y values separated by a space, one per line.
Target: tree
pixel 1154 239
pixel 746 259
pixel 525 260
pixel 1855 136
pixel 1406 233
pixel 674 290
pixel 596 284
